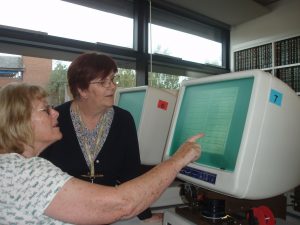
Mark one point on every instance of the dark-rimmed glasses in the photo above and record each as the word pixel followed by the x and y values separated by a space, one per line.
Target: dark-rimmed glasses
pixel 107 82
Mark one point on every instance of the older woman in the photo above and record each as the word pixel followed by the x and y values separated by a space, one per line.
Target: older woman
pixel 99 141
pixel 34 191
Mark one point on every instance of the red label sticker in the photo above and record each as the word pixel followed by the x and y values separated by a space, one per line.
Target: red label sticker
pixel 162 105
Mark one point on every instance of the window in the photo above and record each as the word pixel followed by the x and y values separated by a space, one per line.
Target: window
pixel 63 29
pixel 11 66
pixel 64 19
pixel 185 38
pixel 166 81
pixel 127 78
pixel 183 45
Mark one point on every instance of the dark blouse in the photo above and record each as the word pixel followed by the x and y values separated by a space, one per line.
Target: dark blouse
pixel 118 160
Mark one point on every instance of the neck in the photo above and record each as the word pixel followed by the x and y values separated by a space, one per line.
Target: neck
pixel 89 115
pixel 29 152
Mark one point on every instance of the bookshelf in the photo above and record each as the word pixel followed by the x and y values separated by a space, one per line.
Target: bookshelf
pixel 279 57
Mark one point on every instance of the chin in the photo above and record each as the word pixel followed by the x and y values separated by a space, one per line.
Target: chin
pixel 57 137
pixel 110 101
pixel 59 134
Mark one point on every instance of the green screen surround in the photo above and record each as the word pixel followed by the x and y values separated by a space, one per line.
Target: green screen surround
pixel 219 110
pixel 133 102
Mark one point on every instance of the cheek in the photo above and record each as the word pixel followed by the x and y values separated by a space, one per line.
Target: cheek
pixel 33 126
pixel 38 127
pixel 99 92
pixel 98 95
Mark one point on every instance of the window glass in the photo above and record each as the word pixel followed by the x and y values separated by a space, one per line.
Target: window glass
pixel 48 73
pixel 18 68
pixel 166 81
pixel 57 85
pixel 126 78
pixel 11 66
pixel 183 45
pixel 64 19
pixel 187 38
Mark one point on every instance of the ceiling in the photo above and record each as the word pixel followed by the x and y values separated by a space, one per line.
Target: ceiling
pixel 231 12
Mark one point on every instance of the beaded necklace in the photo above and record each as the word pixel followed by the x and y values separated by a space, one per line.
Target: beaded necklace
pixel 88 149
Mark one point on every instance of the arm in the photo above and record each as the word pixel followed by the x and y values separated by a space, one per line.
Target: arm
pixel 84 203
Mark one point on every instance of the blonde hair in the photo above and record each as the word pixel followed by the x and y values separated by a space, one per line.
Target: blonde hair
pixel 15 115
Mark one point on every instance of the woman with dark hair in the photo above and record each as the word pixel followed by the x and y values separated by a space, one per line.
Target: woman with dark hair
pixel 99 141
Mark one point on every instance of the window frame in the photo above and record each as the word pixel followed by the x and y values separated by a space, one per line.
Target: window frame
pixel 38 44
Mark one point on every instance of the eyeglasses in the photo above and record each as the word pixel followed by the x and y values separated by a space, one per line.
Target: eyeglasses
pixel 47 109
pixel 107 82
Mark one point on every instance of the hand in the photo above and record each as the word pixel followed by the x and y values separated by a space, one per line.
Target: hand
pixel 156 218
pixel 190 150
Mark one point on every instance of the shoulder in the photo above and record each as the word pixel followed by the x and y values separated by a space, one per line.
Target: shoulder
pixel 31 185
pixel 34 166
pixel 123 118
pixel 63 107
pixel 64 114
pixel 43 173
pixel 43 168
pixel 10 162
pixel 39 170
pixel 122 115
pixel 121 112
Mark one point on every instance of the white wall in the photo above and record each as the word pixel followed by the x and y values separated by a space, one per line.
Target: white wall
pixel 282 21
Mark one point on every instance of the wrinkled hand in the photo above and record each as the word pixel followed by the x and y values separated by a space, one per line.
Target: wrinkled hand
pixel 189 150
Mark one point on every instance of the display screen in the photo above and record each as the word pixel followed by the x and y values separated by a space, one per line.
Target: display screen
pixel 219 110
pixel 133 102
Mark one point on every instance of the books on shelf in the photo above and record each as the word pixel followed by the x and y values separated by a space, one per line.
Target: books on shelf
pixel 259 57
pixel 281 58
pixel 287 51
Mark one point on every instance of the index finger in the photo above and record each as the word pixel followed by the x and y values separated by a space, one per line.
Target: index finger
pixel 194 138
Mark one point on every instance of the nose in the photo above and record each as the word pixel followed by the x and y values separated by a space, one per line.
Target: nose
pixel 111 84
pixel 54 113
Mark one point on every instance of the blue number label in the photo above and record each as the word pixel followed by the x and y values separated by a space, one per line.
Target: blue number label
pixel 275 97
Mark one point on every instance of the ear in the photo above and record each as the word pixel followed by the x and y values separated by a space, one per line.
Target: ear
pixel 83 93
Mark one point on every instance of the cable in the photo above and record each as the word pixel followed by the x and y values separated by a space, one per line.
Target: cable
pixel 150 34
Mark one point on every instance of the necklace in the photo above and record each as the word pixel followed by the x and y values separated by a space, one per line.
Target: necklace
pixel 88 149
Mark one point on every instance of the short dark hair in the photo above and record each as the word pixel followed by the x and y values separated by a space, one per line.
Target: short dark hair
pixel 86 68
